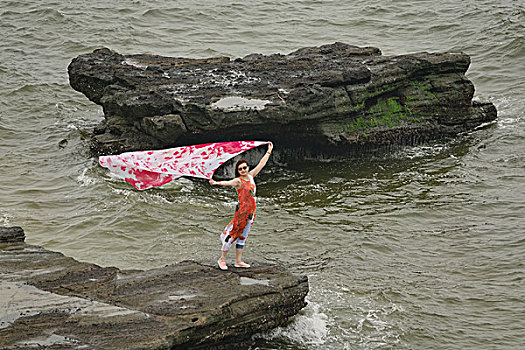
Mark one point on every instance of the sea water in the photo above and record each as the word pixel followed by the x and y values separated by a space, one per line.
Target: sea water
pixel 419 249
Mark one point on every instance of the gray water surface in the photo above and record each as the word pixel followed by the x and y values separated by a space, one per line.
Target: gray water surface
pixel 420 249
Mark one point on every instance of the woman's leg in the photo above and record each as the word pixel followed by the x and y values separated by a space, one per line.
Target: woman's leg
pixel 225 248
pixel 238 258
pixel 240 245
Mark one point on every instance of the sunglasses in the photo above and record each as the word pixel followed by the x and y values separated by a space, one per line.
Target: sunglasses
pixel 243 168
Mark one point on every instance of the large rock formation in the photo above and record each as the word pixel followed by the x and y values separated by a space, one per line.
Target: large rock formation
pixel 48 300
pixel 333 99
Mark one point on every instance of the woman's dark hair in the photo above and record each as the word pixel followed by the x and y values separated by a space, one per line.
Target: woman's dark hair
pixel 239 162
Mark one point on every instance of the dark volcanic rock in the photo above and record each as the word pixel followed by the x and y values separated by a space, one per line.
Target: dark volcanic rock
pixel 12 235
pixel 52 301
pixel 332 99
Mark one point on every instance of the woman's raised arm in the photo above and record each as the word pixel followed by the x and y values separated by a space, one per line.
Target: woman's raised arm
pixel 263 161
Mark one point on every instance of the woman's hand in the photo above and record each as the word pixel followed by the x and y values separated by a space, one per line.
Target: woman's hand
pixel 270 147
pixel 213 182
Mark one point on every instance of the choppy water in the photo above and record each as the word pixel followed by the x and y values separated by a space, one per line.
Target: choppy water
pixel 420 249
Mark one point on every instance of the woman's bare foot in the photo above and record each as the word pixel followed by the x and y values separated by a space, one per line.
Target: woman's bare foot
pixel 242 264
pixel 222 265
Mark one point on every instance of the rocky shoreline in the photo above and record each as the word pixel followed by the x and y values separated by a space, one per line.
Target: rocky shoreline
pixel 332 100
pixel 51 301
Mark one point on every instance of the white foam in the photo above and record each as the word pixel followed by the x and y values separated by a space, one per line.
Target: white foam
pixel 84 179
pixel 373 326
pixel 422 151
pixel 120 192
pixel 134 63
pixel 510 112
pixel 4 220
pixel 508 123
pixel 152 198
pixel 483 125
pixel 309 327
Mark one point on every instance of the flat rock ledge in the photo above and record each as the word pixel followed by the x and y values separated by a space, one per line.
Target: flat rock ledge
pixel 331 100
pixel 50 301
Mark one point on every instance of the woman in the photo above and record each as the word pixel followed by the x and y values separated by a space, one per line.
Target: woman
pixel 237 230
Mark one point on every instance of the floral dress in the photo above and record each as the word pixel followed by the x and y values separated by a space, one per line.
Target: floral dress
pixel 240 225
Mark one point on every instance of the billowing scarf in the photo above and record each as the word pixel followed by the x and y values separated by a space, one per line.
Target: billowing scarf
pixel 146 169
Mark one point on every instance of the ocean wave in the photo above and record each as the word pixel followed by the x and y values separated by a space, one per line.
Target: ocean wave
pixel 514 48
pixel 85 179
pixel 168 14
pixel 42 14
pixel 33 88
pixel 5 219
pixel 308 328
pixel 511 110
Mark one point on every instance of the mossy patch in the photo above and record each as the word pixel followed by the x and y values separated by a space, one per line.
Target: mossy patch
pixel 349 108
pixel 420 91
pixel 385 113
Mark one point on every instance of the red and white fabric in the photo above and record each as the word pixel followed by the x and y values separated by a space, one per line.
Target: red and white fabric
pixel 146 169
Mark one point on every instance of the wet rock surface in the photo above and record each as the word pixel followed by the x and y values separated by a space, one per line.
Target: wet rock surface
pixel 11 234
pixel 333 100
pixel 48 300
